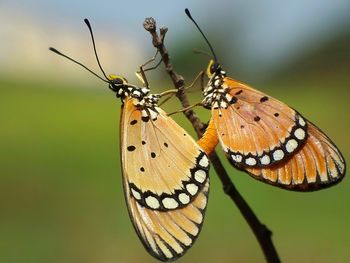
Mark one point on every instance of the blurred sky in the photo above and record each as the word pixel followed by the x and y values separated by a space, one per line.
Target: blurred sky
pixel 259 36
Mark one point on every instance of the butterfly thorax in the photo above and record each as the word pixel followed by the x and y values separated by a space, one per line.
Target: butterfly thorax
pixel 148 106
pixel 215 94
pixel 123 91
pixel 145 102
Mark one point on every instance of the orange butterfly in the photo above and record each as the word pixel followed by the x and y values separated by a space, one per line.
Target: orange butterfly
pixel 165 172
pixel 266 138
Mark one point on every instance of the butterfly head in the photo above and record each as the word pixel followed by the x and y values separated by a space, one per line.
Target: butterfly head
pixel 117 84
pixel 215 69
pixel 122 88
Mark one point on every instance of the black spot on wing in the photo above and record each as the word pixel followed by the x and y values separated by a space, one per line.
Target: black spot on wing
pixel 131 148
pixel 145 119
pixel 263 99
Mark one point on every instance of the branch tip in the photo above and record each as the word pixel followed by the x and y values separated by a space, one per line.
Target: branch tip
pixel 150 24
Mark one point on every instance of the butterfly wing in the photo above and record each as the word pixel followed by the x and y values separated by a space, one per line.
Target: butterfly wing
pixel 318 164
pixel 166 183
pixel 254 129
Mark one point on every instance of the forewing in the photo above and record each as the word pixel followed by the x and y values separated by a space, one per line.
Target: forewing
pixel 254 129
pixel 165 176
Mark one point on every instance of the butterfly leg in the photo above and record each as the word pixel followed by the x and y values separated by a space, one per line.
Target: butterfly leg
pixel 186 109
pixel 150 61
pixel 199 76
pixel 170 95
pixel 172 92
pixel 154 67
pixel 141 73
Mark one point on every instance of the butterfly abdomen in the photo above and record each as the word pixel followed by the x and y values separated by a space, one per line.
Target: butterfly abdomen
pixel 210 139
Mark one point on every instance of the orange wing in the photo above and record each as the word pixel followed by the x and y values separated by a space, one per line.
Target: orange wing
pixel 165 175
pixel 316 165
pixel 254 129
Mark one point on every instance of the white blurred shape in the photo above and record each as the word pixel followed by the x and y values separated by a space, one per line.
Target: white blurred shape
pixel 24 50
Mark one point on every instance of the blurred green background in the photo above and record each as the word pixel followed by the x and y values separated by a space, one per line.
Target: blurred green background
pixel 60 182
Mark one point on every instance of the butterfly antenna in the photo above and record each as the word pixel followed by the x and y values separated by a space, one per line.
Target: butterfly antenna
pixel 80 64
pixel 200 30
pixel 94 45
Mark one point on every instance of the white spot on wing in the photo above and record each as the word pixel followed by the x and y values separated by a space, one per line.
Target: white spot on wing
pixel 184 198
pixel 200 176
pixel 237 158
pixel 204 162
pixel 265 160
pixel 152 202
pixel 169 203
pixel 291 145
pixel 278 155
pixel 299 133
pixel 136 194
pixel 192 189
pixel 250 161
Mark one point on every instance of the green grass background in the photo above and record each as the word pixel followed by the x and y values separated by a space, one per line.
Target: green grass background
pixel 61 192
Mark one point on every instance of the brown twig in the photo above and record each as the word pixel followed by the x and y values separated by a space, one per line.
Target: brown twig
pixel 262 233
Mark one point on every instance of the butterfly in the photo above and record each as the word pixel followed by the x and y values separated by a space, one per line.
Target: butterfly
pixel 164 171
pixel 264 137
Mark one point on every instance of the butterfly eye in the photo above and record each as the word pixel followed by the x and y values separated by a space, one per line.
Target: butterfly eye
pixel 118 81
pixel 214 67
